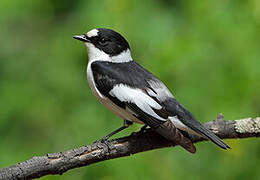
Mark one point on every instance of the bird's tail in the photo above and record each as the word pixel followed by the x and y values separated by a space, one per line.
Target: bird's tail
pixel 171 133
pixel 199 128
pixel 186 118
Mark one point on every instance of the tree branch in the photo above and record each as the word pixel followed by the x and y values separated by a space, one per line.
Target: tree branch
pixel 58 163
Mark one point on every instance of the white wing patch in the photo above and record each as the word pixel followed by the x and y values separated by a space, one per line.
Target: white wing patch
pixel 138 97
pixel 150 92
pixel 162 92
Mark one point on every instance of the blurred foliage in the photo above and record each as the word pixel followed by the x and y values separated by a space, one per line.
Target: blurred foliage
pixel 208 52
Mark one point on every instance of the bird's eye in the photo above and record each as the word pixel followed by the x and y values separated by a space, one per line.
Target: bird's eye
pixel 103 42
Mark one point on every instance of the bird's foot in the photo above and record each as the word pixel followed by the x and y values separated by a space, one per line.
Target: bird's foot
pixel 104 144
pixel 142 130
pixel 104 141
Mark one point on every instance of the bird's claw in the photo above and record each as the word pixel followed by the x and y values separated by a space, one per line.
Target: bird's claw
pixel 142 130
pixel 104 144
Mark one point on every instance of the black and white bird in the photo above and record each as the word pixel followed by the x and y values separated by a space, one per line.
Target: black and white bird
pixel 135 94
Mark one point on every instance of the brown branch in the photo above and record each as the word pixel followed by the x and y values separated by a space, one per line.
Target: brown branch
pixel 58 163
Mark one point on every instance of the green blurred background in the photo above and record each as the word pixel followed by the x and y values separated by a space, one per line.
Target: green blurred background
pixel 207 52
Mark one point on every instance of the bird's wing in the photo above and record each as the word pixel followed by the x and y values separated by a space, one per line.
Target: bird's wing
pixel 176 111
pixel 141 104
pixel 129 87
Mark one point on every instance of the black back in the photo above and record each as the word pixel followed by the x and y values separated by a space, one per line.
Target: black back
pixel 130 73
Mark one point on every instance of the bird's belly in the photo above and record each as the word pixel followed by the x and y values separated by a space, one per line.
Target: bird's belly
pixel 120 112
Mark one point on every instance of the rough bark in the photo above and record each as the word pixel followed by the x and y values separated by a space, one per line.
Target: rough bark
pixel 58 163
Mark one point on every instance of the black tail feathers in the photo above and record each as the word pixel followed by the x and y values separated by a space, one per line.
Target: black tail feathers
pixel 214 138
pixel 199 128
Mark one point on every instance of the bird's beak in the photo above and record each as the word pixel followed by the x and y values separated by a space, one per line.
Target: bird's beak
pixel 83 38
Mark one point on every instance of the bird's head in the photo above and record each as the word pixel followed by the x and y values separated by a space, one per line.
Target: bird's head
pixel 106 45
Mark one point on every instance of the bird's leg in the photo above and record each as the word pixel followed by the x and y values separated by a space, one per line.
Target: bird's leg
pixel 125 125
pixel 104 139
pixel 143 128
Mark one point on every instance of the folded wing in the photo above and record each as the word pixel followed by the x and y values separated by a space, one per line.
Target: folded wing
pixel 138 99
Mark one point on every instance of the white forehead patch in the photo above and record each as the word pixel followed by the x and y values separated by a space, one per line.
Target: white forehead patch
pixel 92 33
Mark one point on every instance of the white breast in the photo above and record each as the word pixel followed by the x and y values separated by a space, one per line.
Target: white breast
pixel 93 88
pixel 122 113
